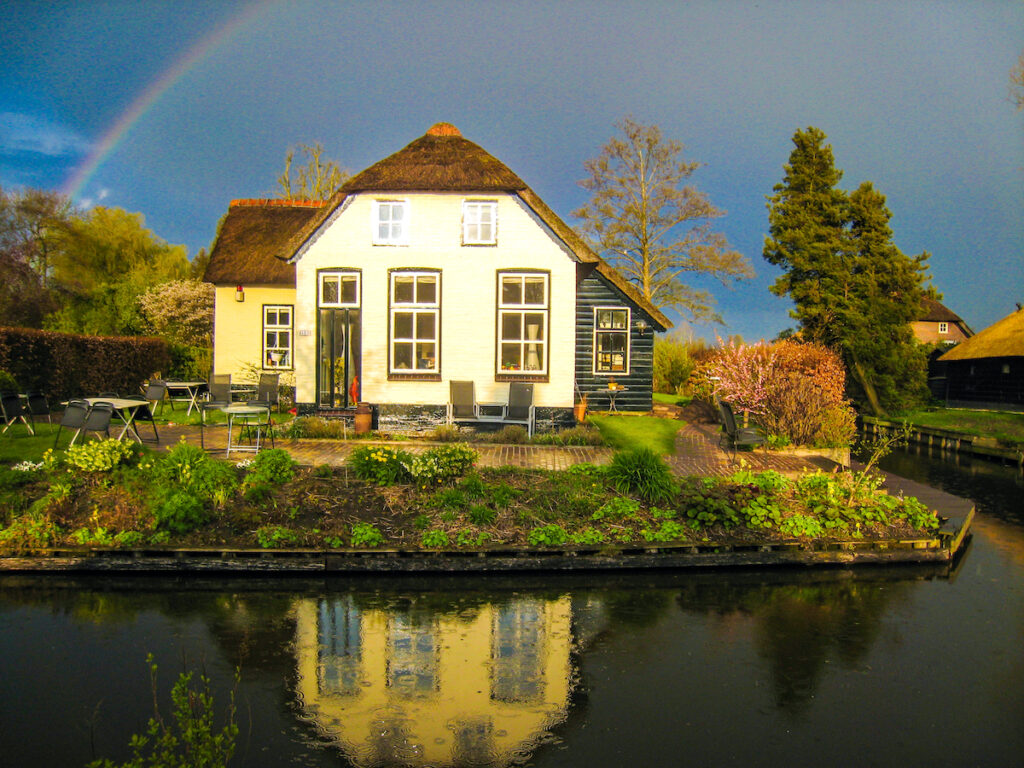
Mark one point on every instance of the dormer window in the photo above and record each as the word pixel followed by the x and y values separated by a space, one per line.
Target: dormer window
pixel 479 222
pixel 390 222
pixel 943 327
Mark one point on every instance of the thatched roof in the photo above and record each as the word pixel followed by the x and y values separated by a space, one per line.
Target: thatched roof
pixel 252 238
pixel 1002 339
pixel 933 311
pixel 443 161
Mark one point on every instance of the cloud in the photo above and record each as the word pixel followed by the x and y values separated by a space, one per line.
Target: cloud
pixel 22 134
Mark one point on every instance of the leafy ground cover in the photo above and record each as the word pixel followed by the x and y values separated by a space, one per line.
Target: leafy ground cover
pixel 111 494
pixel 628 432
pixel 1008 428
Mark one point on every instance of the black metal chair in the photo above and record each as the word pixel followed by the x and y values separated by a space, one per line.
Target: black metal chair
pixel 74 417
pixel 267 391
pixel 145 413
pixel 11 410
pixel 736 436
pixel 37 404
pixel 98 418
pixel 261 425
pixel 156 392
pixel 219 390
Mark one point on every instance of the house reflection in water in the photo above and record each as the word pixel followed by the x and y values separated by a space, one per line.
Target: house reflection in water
pixel 412 686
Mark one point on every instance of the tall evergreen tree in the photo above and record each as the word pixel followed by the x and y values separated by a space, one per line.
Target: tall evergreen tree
pixel 854 290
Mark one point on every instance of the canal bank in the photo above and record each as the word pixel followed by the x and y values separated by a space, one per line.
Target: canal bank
pixel 947 440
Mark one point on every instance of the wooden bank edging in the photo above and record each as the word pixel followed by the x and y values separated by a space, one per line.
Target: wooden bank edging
pixel 940 548
pixel 948 440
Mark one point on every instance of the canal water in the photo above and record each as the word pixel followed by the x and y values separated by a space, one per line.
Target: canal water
pixel 881 667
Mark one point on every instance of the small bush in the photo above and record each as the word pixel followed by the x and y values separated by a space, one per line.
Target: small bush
pixel 315 427
pixel 30 531
pixel 382 465
pixel 547 536
pixel 180 512
pixel 643 472
pixel 481 515
pixel 275 466
pixel 7 382
pixel 446 433
pixel 366 535
pixel 434 539
pixel 579 435
pixel 188 468
pixel 441 465
pixel 449 498
pixel 99 455
pixel 257 491
pixel 274 536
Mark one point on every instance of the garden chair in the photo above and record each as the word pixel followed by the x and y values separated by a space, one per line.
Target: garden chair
pixel 219 393
pixel 258 426
pixel 736 436
pixel 520 409
pixel 156 392
pixel 11 410
pixel 145 413
pixel 462 402
pixel 98 419
pixel 74 417
pixel 267 391
pixel 37 404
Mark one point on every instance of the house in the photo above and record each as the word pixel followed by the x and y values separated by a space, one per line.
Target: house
pixel 939 325
pixel 987 370
pixel 435 264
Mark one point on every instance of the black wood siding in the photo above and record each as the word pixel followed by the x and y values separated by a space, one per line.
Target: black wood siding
pixel 594 291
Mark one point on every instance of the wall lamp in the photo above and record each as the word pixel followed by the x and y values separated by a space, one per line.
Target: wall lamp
pixel 641 326
pixel 239 294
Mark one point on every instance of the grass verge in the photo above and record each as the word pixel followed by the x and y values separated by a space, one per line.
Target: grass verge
pixel 627 432
pixel 1006 427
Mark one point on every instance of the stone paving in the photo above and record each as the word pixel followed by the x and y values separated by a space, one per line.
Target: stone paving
pixel 697 452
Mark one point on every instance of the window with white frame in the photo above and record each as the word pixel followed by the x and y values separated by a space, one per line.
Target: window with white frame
pixel 943 327
pixel 277 336
pixel 611 340
pixel 339 289
pixel 415 321
pixel 390 222
pixel 523 310
pixel 479 222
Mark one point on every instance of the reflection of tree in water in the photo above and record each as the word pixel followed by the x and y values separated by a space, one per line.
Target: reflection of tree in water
pixel 636 608
pixel 799 627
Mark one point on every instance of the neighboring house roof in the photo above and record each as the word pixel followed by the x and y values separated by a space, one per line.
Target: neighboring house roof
pixel 443 161
pixel 252 236
pixel 1002 339
pixel 933 311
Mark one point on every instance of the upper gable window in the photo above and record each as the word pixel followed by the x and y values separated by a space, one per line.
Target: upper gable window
pixel 479 222
pixel 390 222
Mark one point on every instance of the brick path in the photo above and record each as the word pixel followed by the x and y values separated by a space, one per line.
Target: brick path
pixel 697 452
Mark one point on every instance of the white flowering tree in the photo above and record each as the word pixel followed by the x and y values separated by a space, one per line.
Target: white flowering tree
pixel 180 311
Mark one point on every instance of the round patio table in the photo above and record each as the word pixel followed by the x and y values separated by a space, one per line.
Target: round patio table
pixel 245 412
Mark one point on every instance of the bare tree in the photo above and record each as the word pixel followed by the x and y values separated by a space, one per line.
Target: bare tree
pixel 652 225
pixel 316 180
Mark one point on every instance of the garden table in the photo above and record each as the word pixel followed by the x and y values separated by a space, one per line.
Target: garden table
pixel 192 390
pixel 244 412
pixel 124 408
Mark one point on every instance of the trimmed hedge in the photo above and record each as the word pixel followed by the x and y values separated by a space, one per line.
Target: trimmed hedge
pixel 66 365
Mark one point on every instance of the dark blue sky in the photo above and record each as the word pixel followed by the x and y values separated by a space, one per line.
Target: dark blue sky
pixel 913 97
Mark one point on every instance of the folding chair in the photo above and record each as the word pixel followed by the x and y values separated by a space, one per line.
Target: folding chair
pixel 462 402
pixel 11 410
pixel 145 413
pixel 261 424
pixel 98 419
pixel 520 408
pixel 220 397
pixel 38 405
pixel 74 417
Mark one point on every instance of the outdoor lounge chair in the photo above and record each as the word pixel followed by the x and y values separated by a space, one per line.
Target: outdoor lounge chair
pixel 37 404
pixel 11 410
pixel 219 397
pixel 520 408
pixel 73 418
pixel 736 436
pixel 462 402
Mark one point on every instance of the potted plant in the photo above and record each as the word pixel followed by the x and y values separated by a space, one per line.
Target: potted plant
pixel 579 410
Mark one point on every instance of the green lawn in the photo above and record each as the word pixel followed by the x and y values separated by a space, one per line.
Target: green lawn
pixel 624 432
pixel 18 445
pixel 1007 427
pixel 672 399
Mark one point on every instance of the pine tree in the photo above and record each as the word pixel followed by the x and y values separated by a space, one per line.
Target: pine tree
pixel 853 289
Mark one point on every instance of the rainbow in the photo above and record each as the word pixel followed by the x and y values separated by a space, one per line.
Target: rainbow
pixel 82 174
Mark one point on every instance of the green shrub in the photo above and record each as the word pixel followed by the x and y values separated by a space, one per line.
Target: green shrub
pixel 188 468
pixel 481 515
pixel 502 495
pixel 315 427
pixel 512 434
pixel 449 498
pixel 446 433
pixel 579 435
pixel 440 465
pixel 643 472
pixel 366 535
pixel 378 464
pixel 7 382
pixel 673 365
pixel 547 536
pixel 98 455
pixel 323 471
pixel 257 491
pixel 275 466
pixel 180 512
pixel 129 539
pixel 274 536
pixel 434 539
pixel 30 531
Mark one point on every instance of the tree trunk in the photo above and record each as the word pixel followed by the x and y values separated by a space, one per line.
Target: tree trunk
pixel 868 387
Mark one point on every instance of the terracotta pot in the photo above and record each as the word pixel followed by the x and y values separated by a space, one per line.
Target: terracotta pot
pixel 579 411
pixel 363 418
